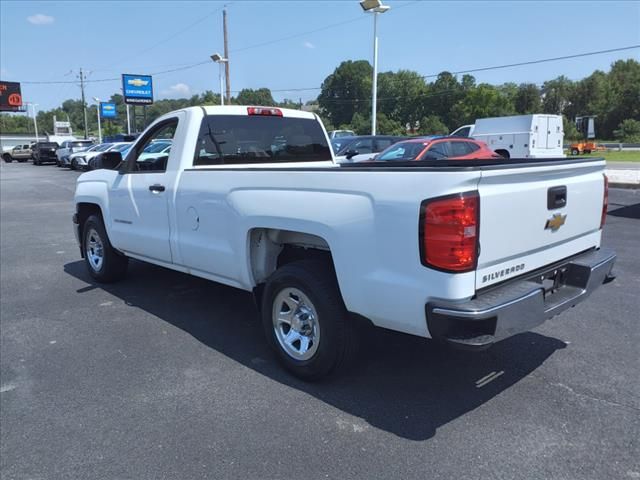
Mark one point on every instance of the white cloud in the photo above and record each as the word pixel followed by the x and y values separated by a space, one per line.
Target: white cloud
pixel 178 90
pixel 40 19
pixel 308 45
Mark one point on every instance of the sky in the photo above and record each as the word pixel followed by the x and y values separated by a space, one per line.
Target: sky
pixel 291 46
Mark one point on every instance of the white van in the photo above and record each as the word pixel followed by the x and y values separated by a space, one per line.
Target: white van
pixel 519 136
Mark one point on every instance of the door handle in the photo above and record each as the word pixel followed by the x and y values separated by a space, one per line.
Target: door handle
pixel 556 197
pixel 156 188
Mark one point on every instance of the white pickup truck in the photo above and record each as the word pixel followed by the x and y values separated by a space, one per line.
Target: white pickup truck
pixel 466 252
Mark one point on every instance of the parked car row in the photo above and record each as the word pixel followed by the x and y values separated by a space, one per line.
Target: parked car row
pixel 81 154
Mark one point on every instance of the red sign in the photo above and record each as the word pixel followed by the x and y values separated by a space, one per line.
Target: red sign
pixel 10 97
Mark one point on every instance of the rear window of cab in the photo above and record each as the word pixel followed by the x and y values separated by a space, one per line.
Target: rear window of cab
pixel 238 139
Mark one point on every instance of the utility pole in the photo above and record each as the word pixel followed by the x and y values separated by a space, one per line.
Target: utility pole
pixel 226 55
pixel 84 104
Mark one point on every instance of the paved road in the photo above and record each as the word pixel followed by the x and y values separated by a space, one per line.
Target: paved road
pixel 624 165
pixel 165 376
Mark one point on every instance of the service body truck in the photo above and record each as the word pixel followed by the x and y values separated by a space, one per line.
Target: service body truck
pixel 467 252
pixel 519 136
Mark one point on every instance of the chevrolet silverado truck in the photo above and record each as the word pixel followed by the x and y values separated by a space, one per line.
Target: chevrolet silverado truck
pixel 467 252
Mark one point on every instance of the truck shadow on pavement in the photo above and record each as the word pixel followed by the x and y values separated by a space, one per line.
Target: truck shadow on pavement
pixel 629 211
pixel 401 384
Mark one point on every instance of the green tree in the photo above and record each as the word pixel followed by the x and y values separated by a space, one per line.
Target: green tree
pixel 557 95
pixel 400 94
pixel 15 123
pixel 110 127
pixel 346 91
pixel 628 131
pixel 361 124
pixel 260 96
pixel 624 100
pixel 527 99
pixel 483 101
pixel 570 131
pixel 442 95
pixel 432 125
pixel 288 103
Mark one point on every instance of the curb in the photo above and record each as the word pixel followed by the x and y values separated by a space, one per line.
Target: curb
pixel 629 186
pixel 623 178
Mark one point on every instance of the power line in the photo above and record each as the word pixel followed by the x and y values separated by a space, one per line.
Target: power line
pixel 171 37
pixel 482 69
pixel 320 29
pixel 533 62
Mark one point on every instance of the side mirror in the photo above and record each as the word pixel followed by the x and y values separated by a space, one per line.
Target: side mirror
pixel 108 160
pixel 351 153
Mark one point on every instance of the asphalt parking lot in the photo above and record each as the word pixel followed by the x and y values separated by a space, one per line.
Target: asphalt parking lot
pixel 167 376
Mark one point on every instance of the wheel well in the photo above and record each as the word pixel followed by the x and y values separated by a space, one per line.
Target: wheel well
pixel 85 210
pixel 272 248
pixel 503 153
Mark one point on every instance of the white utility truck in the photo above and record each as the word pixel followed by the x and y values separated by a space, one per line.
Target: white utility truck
pixel 519 136
pixel 467 252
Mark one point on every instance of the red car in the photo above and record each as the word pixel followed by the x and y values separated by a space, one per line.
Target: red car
pixel 436 148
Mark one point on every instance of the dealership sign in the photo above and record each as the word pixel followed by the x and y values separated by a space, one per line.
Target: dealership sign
pixel 10 97
pixel 137 89
pixel 108 110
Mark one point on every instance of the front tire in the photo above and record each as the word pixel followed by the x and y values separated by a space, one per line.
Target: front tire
pixel 305 320
pixel 7 158
pixel 104 263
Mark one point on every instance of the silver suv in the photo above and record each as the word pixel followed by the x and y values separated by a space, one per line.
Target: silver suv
pixel 68 147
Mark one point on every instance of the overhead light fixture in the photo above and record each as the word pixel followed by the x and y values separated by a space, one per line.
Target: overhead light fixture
pixel 374 5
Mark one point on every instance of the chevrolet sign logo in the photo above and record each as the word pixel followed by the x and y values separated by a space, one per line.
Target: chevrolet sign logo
pixel 137 82
pixel 555 222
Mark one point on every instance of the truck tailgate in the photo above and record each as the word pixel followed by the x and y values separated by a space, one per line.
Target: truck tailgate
pixel 524 222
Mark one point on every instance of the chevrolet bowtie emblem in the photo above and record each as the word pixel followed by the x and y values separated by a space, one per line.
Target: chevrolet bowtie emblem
pixel 137 82
pixel 555 222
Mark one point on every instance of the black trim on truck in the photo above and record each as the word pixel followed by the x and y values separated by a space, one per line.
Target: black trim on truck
pixel 419 166
pixel 518 305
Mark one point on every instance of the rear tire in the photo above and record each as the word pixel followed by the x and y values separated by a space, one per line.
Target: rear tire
pixel 305 320
pixel 105 264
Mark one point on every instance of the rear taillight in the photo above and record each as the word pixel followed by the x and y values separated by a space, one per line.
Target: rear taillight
pixel 449 232
pixel 605 201
pixel 265 111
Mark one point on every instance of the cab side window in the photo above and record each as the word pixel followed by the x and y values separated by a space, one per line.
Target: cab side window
pixel 151 154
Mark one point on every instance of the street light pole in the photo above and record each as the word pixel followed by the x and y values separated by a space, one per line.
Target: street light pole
pixel 375 7
pixel 35 120
pixel 221 84
pixel 220 60
pixel 374 83
pixel 99 126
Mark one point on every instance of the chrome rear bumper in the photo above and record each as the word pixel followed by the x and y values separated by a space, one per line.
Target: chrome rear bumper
pixel 519 305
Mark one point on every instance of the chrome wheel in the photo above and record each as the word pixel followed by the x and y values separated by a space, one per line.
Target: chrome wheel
pixel 295 324
pixel 94 249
